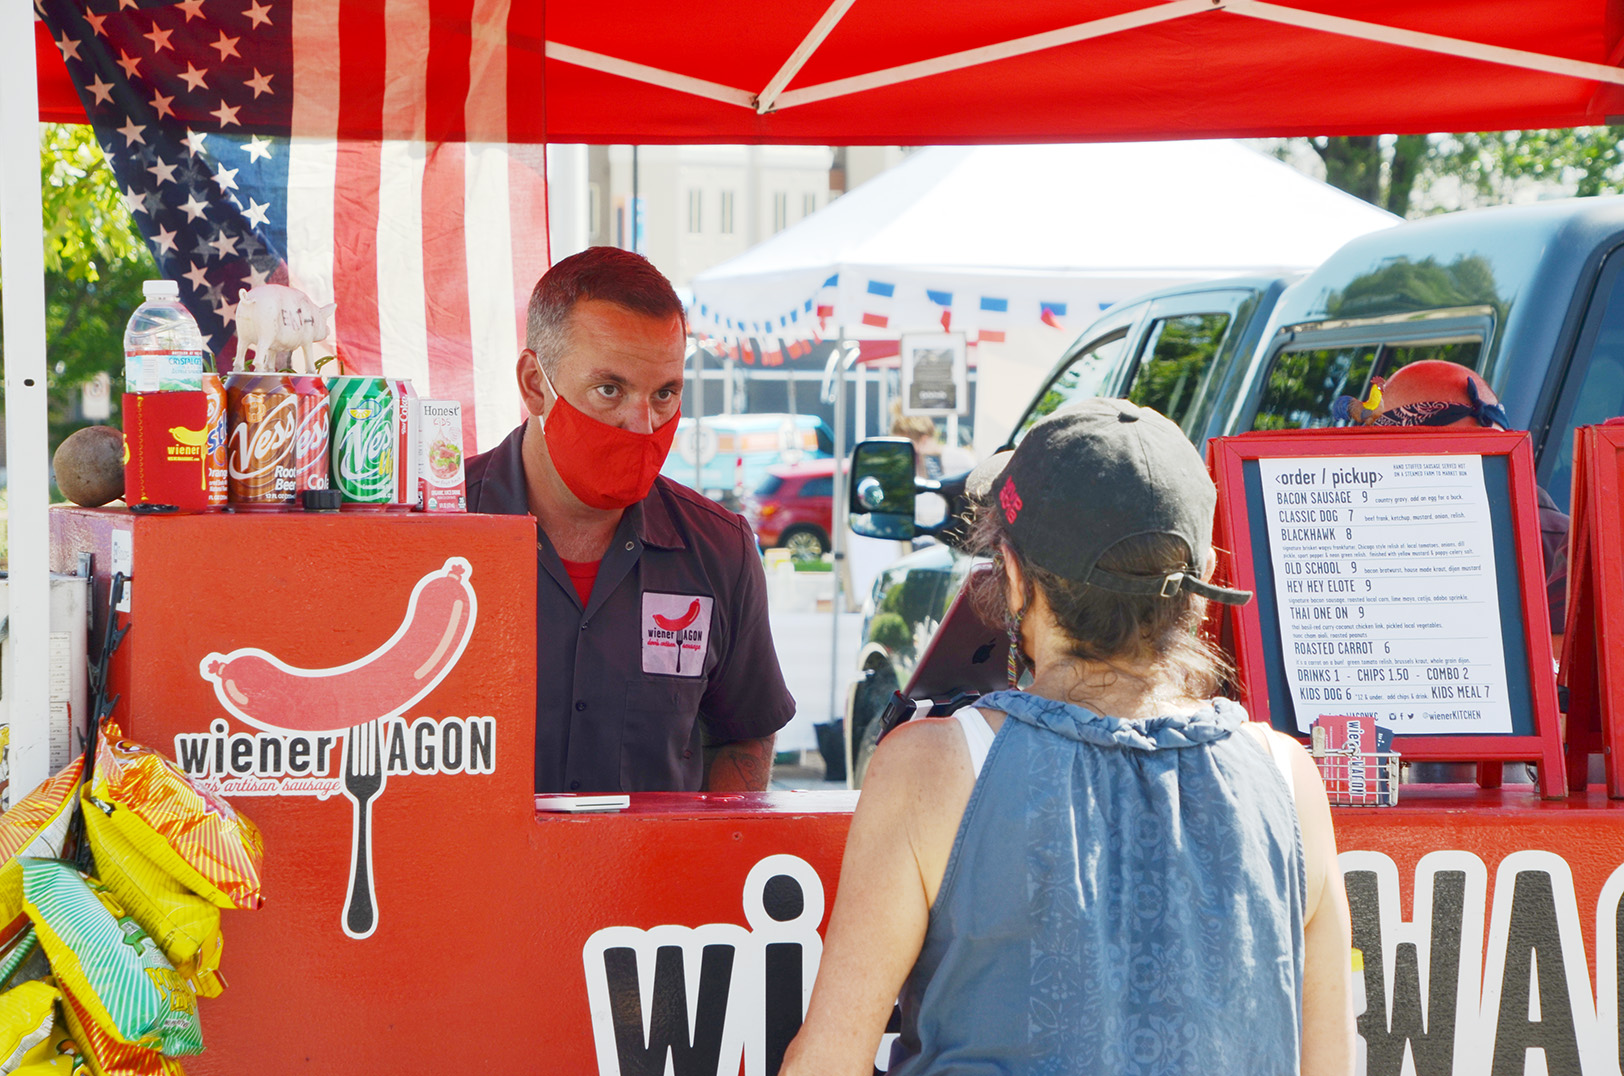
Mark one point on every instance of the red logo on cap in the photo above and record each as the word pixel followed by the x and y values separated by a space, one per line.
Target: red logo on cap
pixel 1010 500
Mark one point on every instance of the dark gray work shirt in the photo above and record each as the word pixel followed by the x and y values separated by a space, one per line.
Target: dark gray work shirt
pixel 673 648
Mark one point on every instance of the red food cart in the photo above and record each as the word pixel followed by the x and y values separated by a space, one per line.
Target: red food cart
pixel 685 928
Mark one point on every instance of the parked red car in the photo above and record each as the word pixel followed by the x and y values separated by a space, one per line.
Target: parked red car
pixel 794 508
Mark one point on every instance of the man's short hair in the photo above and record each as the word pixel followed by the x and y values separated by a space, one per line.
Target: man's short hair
pixel 608 274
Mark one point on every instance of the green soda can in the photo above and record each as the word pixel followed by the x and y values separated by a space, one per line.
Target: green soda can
pixel 363 441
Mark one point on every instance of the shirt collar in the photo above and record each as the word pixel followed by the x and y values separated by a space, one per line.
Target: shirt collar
pixel 654 518
pixel 503 486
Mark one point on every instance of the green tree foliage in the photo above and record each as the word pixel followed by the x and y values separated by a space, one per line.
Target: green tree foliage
pixel 1394 172
pixel 1587 158
pixel 95 262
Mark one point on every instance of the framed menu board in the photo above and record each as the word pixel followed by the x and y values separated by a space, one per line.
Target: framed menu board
pixel 1398 575
pixel 1592 672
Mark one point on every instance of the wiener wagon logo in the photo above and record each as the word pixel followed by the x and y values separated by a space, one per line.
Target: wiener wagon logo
pixel 676 633
pixel 347 728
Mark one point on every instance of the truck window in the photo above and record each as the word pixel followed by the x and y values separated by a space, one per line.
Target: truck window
pixel 1303 383
pixel 1087 376
pixel 1177 360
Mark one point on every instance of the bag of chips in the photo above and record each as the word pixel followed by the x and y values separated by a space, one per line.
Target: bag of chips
pixel 107 963
pixel 108 1056
pixel 57 1054
pixel 185 926
pixel 187 831
pixel 26 1015
pixel 36 826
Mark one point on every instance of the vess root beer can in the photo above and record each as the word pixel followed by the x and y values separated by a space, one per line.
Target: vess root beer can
pixel 312 442
pixel 214 448
pixel 363 438
pixel 262 417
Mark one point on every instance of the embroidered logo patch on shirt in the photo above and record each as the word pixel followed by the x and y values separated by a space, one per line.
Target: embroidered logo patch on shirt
pixel 675 633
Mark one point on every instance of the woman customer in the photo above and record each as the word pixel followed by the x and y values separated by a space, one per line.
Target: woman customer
pixel 1109 871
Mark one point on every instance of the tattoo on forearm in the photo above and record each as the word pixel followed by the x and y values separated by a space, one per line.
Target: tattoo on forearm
pixel 742 766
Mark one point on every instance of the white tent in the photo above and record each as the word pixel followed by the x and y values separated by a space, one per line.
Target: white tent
pixel 994 237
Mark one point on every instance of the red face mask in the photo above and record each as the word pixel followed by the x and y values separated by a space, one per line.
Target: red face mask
pixel 605 466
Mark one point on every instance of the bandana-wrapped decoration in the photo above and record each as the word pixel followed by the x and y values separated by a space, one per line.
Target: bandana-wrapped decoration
pixel 1438 413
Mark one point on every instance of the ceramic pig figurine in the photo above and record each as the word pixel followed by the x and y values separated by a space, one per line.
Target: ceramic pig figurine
pixel 271 319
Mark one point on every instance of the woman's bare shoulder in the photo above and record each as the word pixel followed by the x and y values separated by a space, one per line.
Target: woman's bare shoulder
pixel 922 759
pixel 922 742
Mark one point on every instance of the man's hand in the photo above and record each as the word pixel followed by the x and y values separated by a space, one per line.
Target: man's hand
pixel 739 766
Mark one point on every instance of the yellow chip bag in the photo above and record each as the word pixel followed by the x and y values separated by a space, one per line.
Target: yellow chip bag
pixel 108 1056
pixel 36 826
pixel 57 1054
pixel 186 830
pixel 109 965
pixel 185 926
pixel 26 1015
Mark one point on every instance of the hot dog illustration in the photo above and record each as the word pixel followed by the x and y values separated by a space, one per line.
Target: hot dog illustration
pixel 268 693
pixel 677 625
pixel 681 622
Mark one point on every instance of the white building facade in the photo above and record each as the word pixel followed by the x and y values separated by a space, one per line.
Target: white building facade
pixel 686 207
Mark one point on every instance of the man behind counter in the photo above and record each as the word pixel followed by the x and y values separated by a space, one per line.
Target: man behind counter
pixel 655 668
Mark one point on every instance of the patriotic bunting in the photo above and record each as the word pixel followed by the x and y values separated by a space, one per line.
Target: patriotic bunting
pixel 877 304
pixel 994 313
pixel 881 304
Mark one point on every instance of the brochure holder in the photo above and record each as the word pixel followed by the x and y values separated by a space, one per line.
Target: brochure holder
pixel 1420 522
pixel 1592 673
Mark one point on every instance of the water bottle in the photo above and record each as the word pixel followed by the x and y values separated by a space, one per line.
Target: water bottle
pixel 163 348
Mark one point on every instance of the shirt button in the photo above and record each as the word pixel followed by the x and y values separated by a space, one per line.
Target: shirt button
pixel 688 753
pixel 580 706
pixel 574 785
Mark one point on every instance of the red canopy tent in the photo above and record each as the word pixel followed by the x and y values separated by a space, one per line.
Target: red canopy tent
pixel 885 72
pixel 796 71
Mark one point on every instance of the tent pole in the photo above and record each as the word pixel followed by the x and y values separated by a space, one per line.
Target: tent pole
pixel 861 401
pixel 837 537
pixel 699 415
pixel 22 268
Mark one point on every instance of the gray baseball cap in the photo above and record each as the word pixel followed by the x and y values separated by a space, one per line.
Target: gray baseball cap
pixel 1097 472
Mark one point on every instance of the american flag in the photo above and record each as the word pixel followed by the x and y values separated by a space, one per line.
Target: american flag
pixel 354 149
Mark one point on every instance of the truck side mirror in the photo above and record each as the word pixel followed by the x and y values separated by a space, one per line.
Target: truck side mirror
pixel 882 488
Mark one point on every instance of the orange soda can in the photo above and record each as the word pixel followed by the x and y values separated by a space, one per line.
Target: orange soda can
pixel 214 449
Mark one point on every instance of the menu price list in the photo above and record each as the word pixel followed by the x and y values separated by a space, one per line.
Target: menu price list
pixel 1387 594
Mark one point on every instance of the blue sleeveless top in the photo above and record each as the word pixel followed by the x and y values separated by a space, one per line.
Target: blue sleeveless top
pixel 1122 897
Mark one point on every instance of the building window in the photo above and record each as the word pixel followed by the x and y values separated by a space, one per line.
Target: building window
pixel 695 219
pixel 726 216
pixel 780 211
pixel 809 205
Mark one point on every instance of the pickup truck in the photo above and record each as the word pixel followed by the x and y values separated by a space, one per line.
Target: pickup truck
pixel 1531 297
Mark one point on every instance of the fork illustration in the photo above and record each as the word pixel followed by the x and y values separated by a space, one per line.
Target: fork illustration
pixel 363 780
